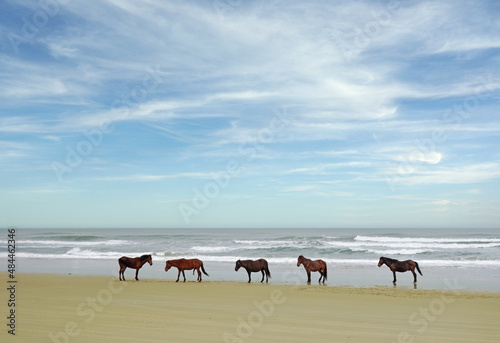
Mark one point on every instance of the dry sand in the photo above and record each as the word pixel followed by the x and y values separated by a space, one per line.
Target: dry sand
pixel 57 308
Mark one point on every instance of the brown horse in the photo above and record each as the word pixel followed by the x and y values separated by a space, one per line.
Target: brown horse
pixel 134 263
pixel 400 266
pixel 183 264
pixel 254 266
pixel 313 266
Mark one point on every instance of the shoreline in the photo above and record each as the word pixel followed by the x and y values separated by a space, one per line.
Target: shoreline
pixel 76 308
pixel 387 289
pixel 434 278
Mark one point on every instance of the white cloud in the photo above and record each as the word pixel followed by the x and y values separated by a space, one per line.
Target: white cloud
pixel 432 157
pixel 160 177
pixel 52 138
pixel 329 168
pixel 467 174
pixel 299 188
pixel 33 86
pixel 440 202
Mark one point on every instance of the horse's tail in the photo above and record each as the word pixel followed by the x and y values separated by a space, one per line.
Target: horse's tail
pixel 325 272
pixel 268 273
pixel 416 265
pixel 203 270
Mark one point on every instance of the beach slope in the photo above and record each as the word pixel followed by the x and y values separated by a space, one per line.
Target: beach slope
pixel 58 308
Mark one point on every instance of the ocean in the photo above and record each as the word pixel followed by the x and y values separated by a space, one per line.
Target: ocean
pixel 449 258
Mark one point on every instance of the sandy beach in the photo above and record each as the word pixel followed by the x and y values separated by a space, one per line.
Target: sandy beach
pixel 68 308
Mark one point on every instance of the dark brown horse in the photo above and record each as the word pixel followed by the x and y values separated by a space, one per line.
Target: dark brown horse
pixel 400 266
pixel 183 264
pixel 254 266
pixel 134 263
pixel 313 266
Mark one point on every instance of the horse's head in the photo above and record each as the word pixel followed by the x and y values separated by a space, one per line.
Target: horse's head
pixel 381 261
pixel 300 260
pixel 238 265
pixel 146 258
pixel 168 266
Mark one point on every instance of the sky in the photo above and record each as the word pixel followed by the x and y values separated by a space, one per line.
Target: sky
pixel 243 114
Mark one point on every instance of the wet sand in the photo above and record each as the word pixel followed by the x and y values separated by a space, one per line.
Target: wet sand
pixel 68 308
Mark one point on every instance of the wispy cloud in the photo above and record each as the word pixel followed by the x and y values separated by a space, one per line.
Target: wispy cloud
pixel 160 177
pixel 299 188
pixel 467 174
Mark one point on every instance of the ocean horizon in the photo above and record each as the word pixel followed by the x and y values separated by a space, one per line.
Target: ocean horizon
pixel 468 259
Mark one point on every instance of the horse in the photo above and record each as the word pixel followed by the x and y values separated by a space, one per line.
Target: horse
pixel 256 266
pixel 313 266
pixel 400 266
pixel 183 264
pixel 134 263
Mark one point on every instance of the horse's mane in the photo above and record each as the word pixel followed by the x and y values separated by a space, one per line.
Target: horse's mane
pixel 389 259
pixel 143 257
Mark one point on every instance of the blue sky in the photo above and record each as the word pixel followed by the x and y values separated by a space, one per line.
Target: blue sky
pixel 250 114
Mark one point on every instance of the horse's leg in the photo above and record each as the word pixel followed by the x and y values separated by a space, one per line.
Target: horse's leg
pixel 394 273
pixel 136 274
pixel 322 275
pixel 263 274
pixel 199 274
pixel 120 273
pixel 184 275
pixel 249 277
pixel 414 276
pixel 178 275
pixel 308 277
